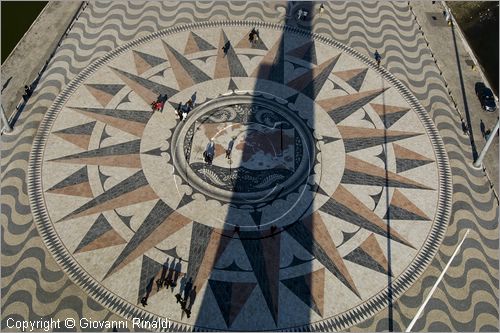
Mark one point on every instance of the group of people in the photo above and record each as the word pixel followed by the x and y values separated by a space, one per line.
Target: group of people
pixel 159 103
pixel 169 276
pixel 182 109
pixel 187 297
pixel 302 14
pixel 168 279
pixel 209 153
pixel 27 93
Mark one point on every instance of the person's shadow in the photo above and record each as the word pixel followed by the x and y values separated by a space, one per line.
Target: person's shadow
pixel 177 272
pixel 192 298
pixel 6 83
pixel 187 289
pixel 170 275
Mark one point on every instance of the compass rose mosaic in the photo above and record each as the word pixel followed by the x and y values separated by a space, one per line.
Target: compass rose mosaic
pixel 300 181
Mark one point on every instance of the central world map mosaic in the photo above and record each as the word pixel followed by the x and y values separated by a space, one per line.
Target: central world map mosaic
pixel 309 200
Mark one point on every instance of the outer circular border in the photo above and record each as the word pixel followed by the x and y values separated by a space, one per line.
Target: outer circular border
pixel 123 307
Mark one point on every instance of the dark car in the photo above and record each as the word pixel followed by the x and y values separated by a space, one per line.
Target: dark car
pixel 486 97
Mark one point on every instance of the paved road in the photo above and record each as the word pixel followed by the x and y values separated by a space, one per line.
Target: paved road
pixel 34 286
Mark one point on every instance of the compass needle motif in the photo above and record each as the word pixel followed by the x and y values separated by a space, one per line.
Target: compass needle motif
pixel 296 165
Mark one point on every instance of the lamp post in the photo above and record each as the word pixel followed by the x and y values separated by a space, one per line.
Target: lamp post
pixel 479 161
pixel 6 128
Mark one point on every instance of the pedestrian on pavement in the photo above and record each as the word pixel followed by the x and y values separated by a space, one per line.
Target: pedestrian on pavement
pixel 159 284
pixel 447 16
pixel 487 135
pixel 302 14
pixel 230 147
pixel 27 93
pixel 158 106
pixel 178 112
pixel 209 152
pixel 255 38
pixel 144 301
pixel 377 58
pixel 186 108
pixel 465 129
pixel 251 36
pixel 321 9
pixel 226 47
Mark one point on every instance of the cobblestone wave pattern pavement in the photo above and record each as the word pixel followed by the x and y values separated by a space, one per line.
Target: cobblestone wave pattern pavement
pixel 317 185
pixel 33 285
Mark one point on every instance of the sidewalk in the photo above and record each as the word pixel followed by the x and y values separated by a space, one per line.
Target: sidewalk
pixel 453 59
pixel 34 49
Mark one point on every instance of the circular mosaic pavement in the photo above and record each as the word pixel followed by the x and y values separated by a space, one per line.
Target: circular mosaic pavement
pixel 302 181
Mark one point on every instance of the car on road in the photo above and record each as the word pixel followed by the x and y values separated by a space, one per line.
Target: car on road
pixel 486 97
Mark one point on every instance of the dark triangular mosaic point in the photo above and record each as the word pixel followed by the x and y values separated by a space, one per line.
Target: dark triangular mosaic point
pixel 149 269
pixel 328 139
pixel 232 85
pixel 185 200
pixel 230 297
pixel 397 213
pixel 298 286
pixel 78 177
pixel 407 164
pixel 202 44
pixel 155 88
pixel 154 152
pixel 100 226
pixel 362 258
pixel 357 81
pixel 256 216
pixel 156 216
pixel 85 129
pixel 293 99
pixel 390 118
pixel 150 59
pixel 200 236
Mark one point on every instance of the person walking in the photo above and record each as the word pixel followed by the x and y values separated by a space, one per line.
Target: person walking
pixel 209 152
pixel 226 47
pixel 377 57
pixel 159 284
pixel 230 147
pixel 251 36
pixel 321 9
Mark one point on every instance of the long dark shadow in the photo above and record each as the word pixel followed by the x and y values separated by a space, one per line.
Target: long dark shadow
pixel 270 186
pixel 390 291
pixel 464 96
